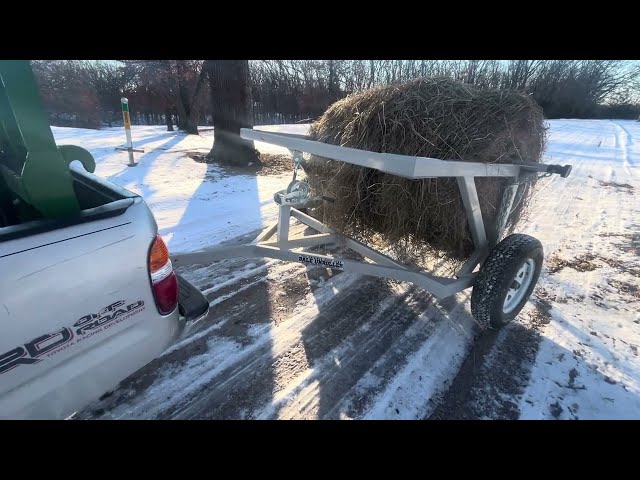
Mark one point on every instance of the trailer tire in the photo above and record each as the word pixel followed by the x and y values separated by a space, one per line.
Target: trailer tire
pixel 506 279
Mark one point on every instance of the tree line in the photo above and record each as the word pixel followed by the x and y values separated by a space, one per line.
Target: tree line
pixel 180 93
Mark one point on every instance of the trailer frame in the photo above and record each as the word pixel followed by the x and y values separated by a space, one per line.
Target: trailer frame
pixel 377 264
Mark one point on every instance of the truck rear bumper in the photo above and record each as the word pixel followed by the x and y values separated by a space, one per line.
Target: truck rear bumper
pixel 193 306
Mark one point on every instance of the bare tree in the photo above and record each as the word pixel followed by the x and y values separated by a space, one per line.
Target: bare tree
pixel 232 108
pixel 177 84
pixel 109 82
pixel 67 93
pixel 83 93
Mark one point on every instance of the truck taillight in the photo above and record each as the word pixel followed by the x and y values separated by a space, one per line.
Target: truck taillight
pixel 163 279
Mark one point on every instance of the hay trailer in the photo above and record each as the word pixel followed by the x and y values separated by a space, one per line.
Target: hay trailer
pixel 509 269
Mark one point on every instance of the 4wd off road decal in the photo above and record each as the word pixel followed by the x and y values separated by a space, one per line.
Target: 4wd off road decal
pixel 48 345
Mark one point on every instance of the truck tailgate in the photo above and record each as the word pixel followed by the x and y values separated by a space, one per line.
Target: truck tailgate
pixel 69 290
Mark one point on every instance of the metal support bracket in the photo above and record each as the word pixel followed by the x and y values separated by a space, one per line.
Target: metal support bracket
pixel 471 203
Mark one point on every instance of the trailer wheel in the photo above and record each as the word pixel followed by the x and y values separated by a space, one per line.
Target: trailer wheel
pixel 506 280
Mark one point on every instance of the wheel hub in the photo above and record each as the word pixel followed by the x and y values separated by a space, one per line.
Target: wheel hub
pixel 519 285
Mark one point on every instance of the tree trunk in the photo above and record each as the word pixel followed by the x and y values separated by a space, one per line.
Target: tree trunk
pixel 186 107
pixel 333 82
pixel 232 110
pixel 181 114
pixel 168 119
pixel 191 108
pixel 186 123
pixel 372 73
pixel 189 119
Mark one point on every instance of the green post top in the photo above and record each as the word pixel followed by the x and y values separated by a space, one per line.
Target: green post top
pixel 125 104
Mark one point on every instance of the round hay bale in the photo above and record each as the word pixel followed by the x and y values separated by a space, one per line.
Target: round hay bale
pixel 437 118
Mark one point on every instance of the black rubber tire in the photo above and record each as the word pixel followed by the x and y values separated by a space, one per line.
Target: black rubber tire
pixel 495 277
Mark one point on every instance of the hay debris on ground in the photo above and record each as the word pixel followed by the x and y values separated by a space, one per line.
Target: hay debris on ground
pixel 271 164
pixel 437 118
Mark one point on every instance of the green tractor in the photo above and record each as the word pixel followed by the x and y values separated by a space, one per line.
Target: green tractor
pixel 35 181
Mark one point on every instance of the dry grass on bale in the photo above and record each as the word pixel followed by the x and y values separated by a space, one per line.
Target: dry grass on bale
pixel 437 118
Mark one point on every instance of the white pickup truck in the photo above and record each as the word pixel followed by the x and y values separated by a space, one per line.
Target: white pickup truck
pixel 85 300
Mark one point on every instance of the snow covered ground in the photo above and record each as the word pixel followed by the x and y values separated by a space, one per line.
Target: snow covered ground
pixel 195 204
pixel 588 365
pixel 283 341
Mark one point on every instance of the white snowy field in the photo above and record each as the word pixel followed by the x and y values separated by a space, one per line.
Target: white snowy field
pixel 587 363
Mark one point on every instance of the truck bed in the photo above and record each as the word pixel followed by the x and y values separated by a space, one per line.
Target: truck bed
pixel 98 200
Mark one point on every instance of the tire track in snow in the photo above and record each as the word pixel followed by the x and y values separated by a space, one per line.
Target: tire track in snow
pixel 348 378
pixel 624 140
pixel 183 368
pixel 413 391
pixel 290 348
pixel 380 378
pixel 495 373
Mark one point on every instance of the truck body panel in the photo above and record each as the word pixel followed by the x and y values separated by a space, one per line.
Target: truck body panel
pixel 77 311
